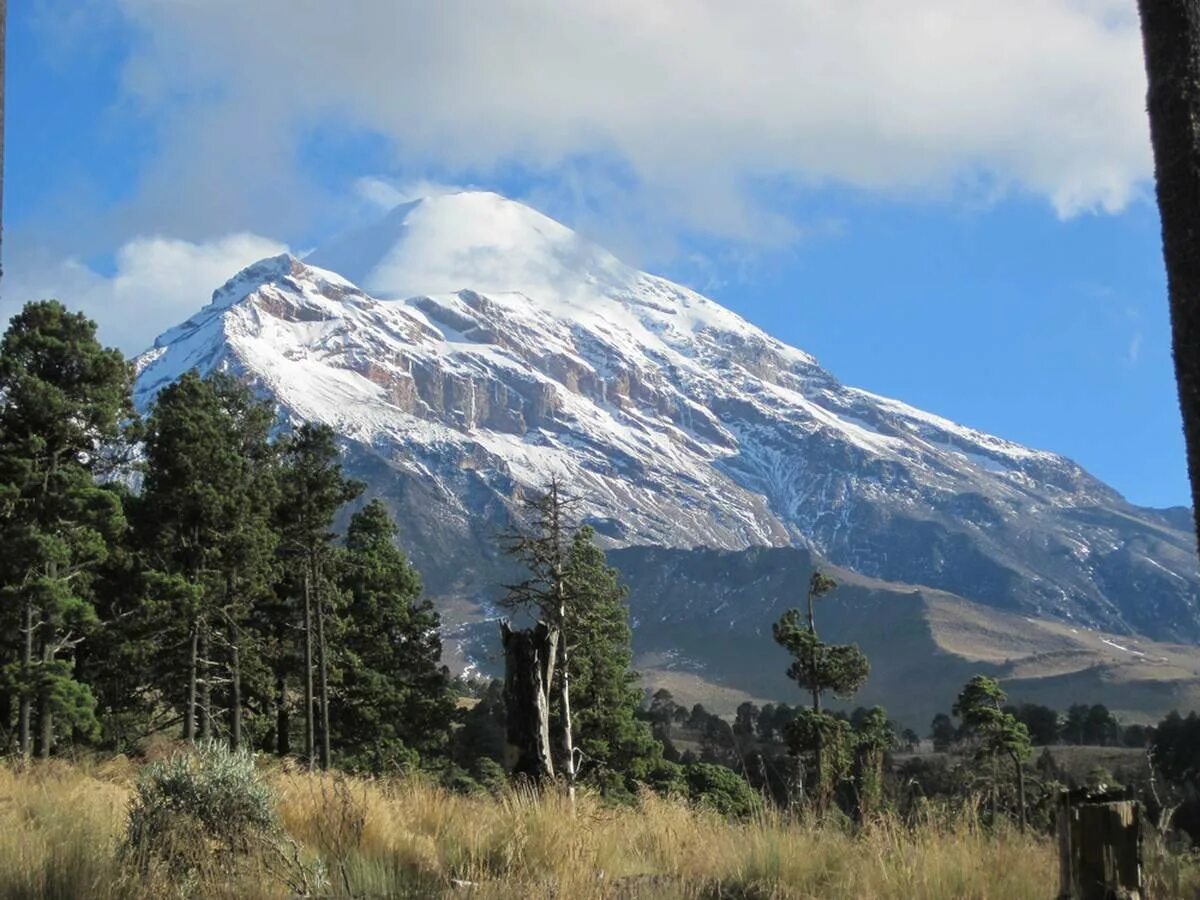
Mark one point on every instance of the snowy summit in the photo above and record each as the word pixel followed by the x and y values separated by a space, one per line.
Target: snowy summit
pixel 467 347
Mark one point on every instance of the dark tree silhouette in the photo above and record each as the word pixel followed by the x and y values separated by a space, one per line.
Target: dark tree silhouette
pixel 1171 40
pixel 3 41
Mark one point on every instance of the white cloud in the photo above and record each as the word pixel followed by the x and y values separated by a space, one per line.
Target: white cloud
pixel 699 101
pixel 384 194
pixel 156 283
pixel 1135 349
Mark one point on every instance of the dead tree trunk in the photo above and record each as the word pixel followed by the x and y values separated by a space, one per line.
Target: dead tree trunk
pixel 564 674
pixel 1100 846
pixel 1171 41
pixel 528 657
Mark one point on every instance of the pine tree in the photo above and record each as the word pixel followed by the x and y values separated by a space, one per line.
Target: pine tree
pixel 818 667
pixel 313 490
pixel 247 551
pixel 874 736
pixel 998 733
pixel 206 536
pixel 617 746
pixel 63 397
pixel 118 661
pixel 394 694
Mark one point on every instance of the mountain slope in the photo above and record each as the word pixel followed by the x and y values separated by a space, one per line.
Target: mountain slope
pixel 468 348
pixel 703 631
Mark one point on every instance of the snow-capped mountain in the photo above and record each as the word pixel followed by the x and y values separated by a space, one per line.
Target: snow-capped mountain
pixel 466 347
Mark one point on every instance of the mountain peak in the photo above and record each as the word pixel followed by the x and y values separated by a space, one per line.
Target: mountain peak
pixel 472 239
pixel 270 270
pixel 504 349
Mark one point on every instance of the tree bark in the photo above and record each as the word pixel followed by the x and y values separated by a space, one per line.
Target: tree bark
pixel 994 802
pixel 310 746
pixel 205 686
pixel 189 717
pixel 527 656
pixel 568 737
pixel 45 735
pixel 818 748
pixel 1020 789
pixel 1171 41
pixel 6 709
pixel 45 715
pixel 283 744
pixel 25 711
pixel 3 17
pixel 235 705
pixel 323 672
pixel 812 626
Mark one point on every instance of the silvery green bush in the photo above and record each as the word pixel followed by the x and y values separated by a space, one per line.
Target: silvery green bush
pixel 204 806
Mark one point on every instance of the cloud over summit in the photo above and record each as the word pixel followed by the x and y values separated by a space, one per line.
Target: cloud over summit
pixel 696 100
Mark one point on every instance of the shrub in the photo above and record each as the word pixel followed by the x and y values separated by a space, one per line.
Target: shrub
pixel 196 808
pixel 721 789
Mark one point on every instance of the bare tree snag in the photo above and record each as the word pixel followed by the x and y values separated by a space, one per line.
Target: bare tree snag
pixel 528 656
pixel 1100 846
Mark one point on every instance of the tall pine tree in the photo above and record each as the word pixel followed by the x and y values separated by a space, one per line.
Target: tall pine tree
pixel 63 397
pixel 206 537
pixel 840 669
pixel 617 747
pixel 313 490
pixel 394 696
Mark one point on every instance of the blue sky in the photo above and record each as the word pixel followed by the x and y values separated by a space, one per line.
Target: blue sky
pixel 952 209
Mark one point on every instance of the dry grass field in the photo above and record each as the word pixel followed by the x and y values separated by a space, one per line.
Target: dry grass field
pixel 62 828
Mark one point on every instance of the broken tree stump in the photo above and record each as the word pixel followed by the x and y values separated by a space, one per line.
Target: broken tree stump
pixel 1100 846
pixel 528 661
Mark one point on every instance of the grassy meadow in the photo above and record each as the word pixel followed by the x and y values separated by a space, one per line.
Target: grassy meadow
pixel 62 827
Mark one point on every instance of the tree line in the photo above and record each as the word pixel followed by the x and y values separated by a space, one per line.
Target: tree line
pixel 180 575
pixel 181 571
pixel 1083 724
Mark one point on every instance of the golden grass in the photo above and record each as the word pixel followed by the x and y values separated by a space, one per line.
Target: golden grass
pixel 61 827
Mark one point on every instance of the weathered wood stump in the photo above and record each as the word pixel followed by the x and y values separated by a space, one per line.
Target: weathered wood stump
pixel 1100 846
pixel 528 669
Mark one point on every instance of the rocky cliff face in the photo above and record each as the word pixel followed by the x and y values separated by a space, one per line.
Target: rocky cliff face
pixel 466 348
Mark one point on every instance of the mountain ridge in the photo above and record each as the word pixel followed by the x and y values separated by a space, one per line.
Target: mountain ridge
pixel 529 352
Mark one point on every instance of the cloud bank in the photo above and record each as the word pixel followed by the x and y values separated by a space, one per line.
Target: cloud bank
pixel 697 103
pixel 636 121
pixel 157 282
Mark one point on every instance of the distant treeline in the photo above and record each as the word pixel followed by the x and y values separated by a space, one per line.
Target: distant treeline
pixel 1081 725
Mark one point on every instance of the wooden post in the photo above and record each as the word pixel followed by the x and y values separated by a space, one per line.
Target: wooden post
pixel 1100 846
pixel 527 656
